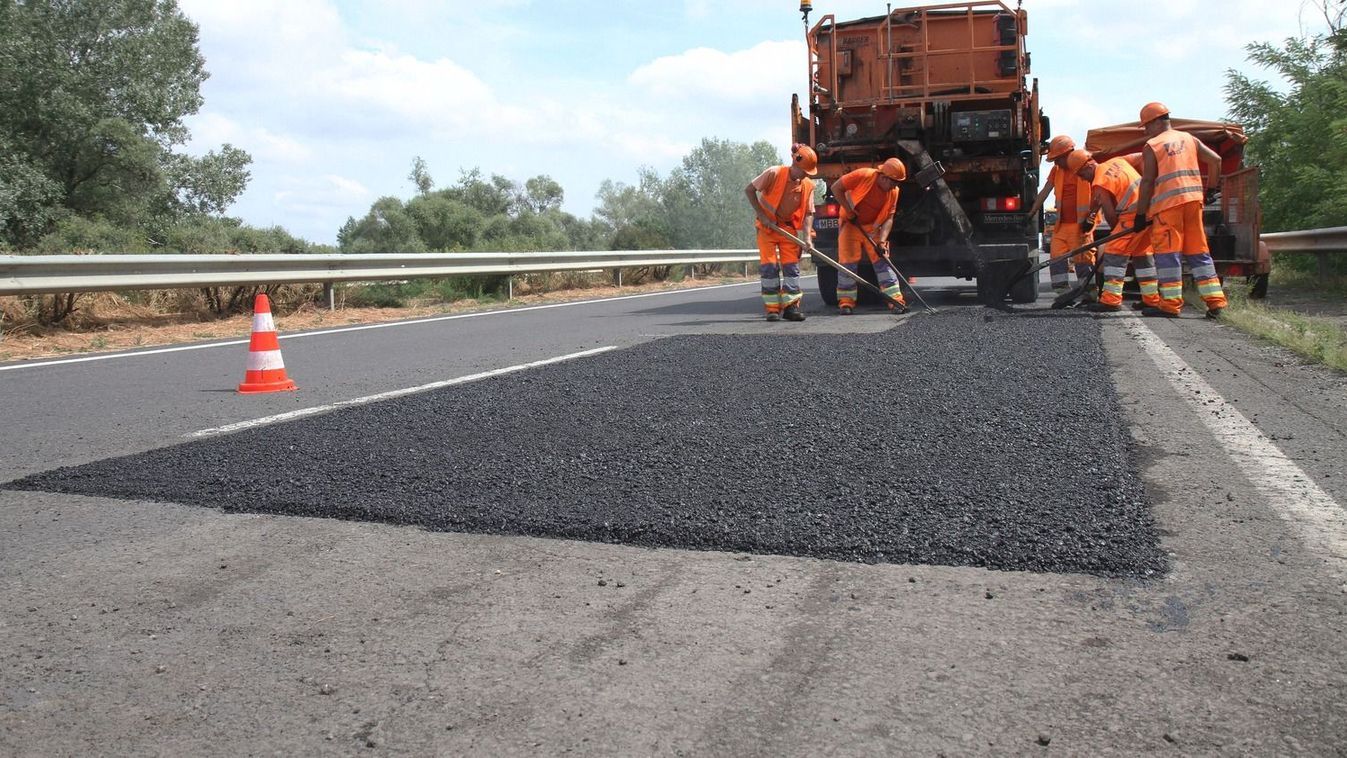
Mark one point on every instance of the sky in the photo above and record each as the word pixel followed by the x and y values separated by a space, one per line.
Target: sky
pixel 334 98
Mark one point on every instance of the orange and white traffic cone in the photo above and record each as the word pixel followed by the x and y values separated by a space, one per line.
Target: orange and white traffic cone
pixel 266 370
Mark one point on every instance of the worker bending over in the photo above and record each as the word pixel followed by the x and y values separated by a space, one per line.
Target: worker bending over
pixel 1171 204
pixel 869 197
pixel 1073 203
pixel 1115 185
pixel 783 196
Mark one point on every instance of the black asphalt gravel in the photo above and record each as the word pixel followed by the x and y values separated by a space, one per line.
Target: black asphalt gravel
pixel 962 439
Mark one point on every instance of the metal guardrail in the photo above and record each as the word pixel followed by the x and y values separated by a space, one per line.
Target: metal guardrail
pixel 1321 242
pixel 46 274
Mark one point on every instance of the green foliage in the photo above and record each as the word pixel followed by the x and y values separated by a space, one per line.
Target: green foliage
pixel 475 213
pixel 80 234
pixel 704 197
pixel 1299 135
pixel 93 94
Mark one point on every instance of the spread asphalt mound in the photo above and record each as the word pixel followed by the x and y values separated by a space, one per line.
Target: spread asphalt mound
pixel 961 439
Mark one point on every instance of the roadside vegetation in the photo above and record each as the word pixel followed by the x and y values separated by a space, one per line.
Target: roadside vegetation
pixel 101 169
pixel 1297 131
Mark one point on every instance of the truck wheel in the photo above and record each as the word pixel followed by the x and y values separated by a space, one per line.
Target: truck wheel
pixel 1025 290
pixel 827 285
pixel 1258 286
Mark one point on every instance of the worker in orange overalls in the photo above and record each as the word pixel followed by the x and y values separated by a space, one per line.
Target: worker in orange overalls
pixel 1073 203
pixel 1171 203
pixel 784 196
pixel 1115 186
pixel 869 198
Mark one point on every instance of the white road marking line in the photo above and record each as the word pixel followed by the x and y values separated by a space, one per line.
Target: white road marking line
pixel 1319 519
pixel 362 327
pixel 302 412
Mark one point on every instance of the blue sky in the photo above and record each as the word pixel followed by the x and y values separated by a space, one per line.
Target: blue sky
pixel 333 98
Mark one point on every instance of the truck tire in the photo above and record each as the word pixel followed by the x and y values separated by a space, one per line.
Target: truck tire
pixel 1025 291
pixel 1258 286
pixel 827 285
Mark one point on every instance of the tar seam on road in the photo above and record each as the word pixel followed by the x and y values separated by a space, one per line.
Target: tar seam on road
pixel 1313 513
pixel 302 412
pixel 945 442
pixel 363 327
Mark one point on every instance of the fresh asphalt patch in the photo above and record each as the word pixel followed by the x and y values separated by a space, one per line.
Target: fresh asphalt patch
pixel 971 438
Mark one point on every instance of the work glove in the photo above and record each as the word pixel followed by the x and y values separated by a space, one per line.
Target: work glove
pixel 1212 196
pixel 1087 226
pixel 1141 222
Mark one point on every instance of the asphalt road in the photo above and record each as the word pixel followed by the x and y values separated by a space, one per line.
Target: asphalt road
pixel 138 627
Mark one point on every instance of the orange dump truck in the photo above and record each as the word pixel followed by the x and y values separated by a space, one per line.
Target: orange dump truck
pixel 1232 223
pixel 945 88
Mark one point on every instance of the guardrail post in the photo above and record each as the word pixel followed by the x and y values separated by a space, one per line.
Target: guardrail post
pixel 509 287
pixel 619 277
pixel 1322 256
pixel 330 294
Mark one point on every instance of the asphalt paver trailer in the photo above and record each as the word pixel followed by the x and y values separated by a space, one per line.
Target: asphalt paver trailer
pixel 945 88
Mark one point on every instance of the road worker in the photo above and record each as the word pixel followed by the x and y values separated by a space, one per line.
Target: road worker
pixel 1073 202
pixel 1115 187
pixel 1171 203
pixel 869 198
pixel 783 196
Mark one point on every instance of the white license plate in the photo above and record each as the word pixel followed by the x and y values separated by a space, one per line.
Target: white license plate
pixel 825 223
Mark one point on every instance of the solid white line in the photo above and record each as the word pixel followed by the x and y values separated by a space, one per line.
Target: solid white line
pixel 1319 519
pixel 302 412
pixel 385 325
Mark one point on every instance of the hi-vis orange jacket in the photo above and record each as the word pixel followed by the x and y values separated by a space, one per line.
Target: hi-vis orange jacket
pixel 1178 176
pixel 1120 180
pixel 773 195
pixel 1073 197
pixel 860 183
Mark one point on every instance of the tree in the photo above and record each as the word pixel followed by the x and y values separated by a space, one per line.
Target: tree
pixel 420 176
pixel 704 197
pixel 1298 135
pixel 93 94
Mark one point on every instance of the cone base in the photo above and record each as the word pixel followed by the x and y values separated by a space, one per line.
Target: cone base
pixel 257 388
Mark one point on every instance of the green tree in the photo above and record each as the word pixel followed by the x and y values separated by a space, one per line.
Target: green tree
pixel 93 94
pixel 420 176
pixel 704 197
pixel 634 217
pixel 387 228
pixel 1298 132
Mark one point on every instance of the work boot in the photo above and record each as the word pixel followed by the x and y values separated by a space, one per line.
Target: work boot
pixel 1150 312
pixel 1097 307
pixel 900 309
pixel 1139 306
pixel 774 317
pixel 845 310
pixel 1214 313
pixel 793 313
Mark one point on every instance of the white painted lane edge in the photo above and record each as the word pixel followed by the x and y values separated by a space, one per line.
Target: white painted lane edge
pixel 1318 519
pixel 302 412
pixel 363 327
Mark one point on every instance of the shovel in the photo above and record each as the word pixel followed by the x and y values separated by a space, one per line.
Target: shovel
pixel 840 268
pixel 900 274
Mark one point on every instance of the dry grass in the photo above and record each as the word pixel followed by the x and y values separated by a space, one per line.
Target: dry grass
pixel 108 321
pixel 1309 323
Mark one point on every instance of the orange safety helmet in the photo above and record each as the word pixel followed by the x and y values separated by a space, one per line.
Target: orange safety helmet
pixel 1077 159
pixel 1060 145
pixel 1152 111
pixel 805 157
pixel 893 169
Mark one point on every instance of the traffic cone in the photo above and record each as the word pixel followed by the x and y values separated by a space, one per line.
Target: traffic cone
pixel 266 370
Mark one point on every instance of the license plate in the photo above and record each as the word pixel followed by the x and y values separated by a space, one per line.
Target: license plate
pixel 825 223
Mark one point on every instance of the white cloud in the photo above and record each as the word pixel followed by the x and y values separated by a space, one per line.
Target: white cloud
pixel 209 130
pixel 764 70
pixel 322 197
